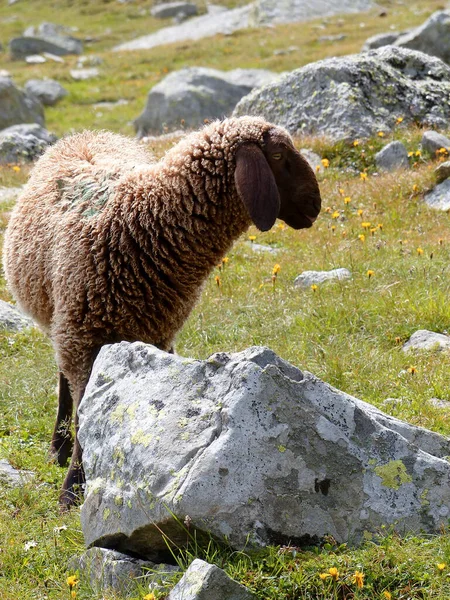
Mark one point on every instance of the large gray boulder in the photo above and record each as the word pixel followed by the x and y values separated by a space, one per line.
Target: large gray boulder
pixel 47 91
pixel 12 319
pixel 248 447
pixel 432 37
pixel 17 106
pixel 380 39
pixel 439 197
pixel 433 141
pixel 356 96
pixel 24 142
pixel 47 37
pixel 291 11
pixel 194 94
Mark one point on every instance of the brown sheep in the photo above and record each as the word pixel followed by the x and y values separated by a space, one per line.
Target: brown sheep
pixel 106 245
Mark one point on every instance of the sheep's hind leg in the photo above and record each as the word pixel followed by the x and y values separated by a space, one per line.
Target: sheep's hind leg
pixel 61 445
pixel 72 489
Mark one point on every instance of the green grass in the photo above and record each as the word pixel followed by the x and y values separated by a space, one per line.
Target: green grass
pixel 347 333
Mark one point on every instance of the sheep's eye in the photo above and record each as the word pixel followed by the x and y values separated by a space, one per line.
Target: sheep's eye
pixel 277 156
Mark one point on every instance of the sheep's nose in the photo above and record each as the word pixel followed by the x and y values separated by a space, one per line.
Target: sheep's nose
pixel 312 219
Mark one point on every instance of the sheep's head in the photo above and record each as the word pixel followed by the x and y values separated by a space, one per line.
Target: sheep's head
pixel 275 181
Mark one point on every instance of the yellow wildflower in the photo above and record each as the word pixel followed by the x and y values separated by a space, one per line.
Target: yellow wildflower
pixel 341 191
pixel 358 578
pixel 365 224
pixel 415 187
pixel 419 251
pixel 314 287
pixel 333 228
pixel 276 269
pixel 409 156
pixel 399 120
pixel 412 370
pixel 217 280
pixel 225 259
pixel 344 234
pixel 370 273
pixel 252 238
pixel 387 595
pixel 16 168
pixel 380 134
pixel 373 230
pixel 356 143
pixel 325 162
pixel 335 215
pixel 323 576
pixel 380 225
pixel 150 596
pixel 73 594
pixel 360 212
pixel 363 176
pixel 347 200
pixel 334 573
pixel 317 168
pixel 72 580
pixel 361 237
pixel 442 151
pixel 418 153
pixel 441 566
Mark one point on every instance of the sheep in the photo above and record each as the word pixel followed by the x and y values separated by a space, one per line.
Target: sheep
pixel 106 244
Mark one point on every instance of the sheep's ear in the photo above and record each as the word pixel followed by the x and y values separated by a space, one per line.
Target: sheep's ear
pixel 256 186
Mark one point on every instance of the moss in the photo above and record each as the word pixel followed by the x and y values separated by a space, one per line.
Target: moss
pixel 106 514
pixel 393 474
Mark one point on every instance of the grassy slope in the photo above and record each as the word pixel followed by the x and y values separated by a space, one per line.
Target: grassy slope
pixel 348 333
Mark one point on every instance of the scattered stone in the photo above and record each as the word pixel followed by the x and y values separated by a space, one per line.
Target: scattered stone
pixel 35 59
pixel 355 96
pixel 4 73
pixel 432 37
pixel 48 91
pixel 308 278
pixel 30 129
pixel 263 248
pixel 203 581
pixel 284 51
pixel 437 403
pixel 53 57
pixel 84 74
pixel 432 141
pixel 45 38
pixel 314 160
pixel 439 197
pixel 16 106
pixel 332 38
pixel 392 156
pixel 250 448
pixel 111 105
pixel 7 194
pixel 110 570
pixel 442 171
pixel 194 94
pixel 166 10
pixel 380 40
pixel 12 476
pixel 427 340
pixel 12 319
pixel 92 61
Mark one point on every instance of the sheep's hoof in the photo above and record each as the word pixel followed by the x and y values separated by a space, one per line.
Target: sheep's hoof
pixel 61 449
pixel 72 489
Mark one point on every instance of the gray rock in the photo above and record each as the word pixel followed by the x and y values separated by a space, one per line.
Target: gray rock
pixel 380 39
pixel 314 160
pixel 12 476
pixel 110 570
pixel 12 319
pixel 45 38
pixel 392 156
pixel 17 106
pixel 432 37
pixel 7 194
pixel 263 248
pixel 427 340
pixel 439 197
pixel 84 74
pixel 203 581
pixel 248 447
pixel 442 171
pixel 432 141
pixel 437 403
pixel 48 91
pixel 291 11
pixel 194 94
pixel 172 9
pixel 222 22
pixel 35 59
pixel 355 96
pixel 308 278
pixel 24 142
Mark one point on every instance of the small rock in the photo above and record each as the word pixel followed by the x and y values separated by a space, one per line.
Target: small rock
pixel 439 197
pixel 427 340
pixel 120 102
pixel 53 57
pixel 12 476
pixel 48 91
pixel 108 569
pixel 83 74
pixel 308 278
pixel 7 194
pixel 261 248
pixel 173 9
pixel 203 581
pixel 432 141
pixel 35 59
pixel 332 38
pixel 12 319
pixel 393 156
pixel 379 40
pixel 437 403
pixel 442 171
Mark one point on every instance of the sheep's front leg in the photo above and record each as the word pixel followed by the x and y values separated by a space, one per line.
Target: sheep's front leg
pixel 72 489
pixel 61 445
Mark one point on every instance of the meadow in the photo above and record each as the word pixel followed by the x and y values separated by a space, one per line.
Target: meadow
pixel 348 333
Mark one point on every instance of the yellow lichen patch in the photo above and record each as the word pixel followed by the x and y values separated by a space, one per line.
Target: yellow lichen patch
pixel 393 474
pixel 118 414
pixel 140 437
